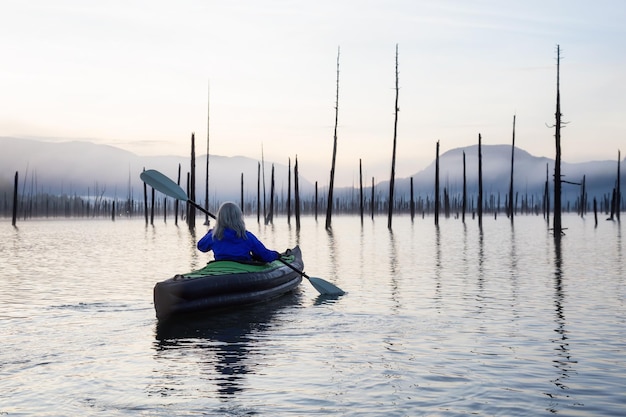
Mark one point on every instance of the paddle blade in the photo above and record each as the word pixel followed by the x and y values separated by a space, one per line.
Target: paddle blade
pixel 325 287
pixel 163 184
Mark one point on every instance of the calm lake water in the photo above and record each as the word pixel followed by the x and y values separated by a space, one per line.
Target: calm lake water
pixel 441 321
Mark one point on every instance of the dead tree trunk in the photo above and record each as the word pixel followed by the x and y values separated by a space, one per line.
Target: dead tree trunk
pixel 206 184
pixel 437 185
pixel 361 190
pixel 270 216
pixel 191 220
pixel 176 203
pixel 558 228
pixel 145 200
pixel 242 205
pixel 372 202
pixel 393 157
pixel 152 207
pixel 289 192
pixel 546 197
pixel 480 183
pixel 15 182
pixel 316 200
pixel 618 194
pixel 412 201
pixel 511 208
pixel 329 203
pixel 296 191
pixel 583 200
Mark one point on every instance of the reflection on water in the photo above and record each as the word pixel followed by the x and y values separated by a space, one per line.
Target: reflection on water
pixel 438 264
pixel 481 254
pixel 563 362
pixel 222 345
pixel 513 253
pixel 620 254
pixel 327 299
pixel 332 251
pixel 193 249
pixel 394 274
pixel 448 320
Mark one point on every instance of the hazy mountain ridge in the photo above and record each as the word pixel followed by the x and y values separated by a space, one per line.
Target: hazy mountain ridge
pixel 529 174
pixel 77 167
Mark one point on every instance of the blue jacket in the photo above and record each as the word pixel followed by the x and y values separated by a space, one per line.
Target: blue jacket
pixel 233 248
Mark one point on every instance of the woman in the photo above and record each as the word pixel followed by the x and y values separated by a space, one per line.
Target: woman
pixel 230 241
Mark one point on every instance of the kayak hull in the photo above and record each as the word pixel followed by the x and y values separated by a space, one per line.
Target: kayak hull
pixel 226 284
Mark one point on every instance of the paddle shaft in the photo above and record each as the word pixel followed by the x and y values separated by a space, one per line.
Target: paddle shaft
pixel 202 209
pixel 168 187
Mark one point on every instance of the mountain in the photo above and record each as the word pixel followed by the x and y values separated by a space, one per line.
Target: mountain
pixel 77 167
pixel 529 175
pixel 82 168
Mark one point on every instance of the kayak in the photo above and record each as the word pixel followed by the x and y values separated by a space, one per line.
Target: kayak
pixel 227 284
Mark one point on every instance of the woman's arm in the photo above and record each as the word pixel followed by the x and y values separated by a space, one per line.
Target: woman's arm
pixel 259 250
pixel 206 243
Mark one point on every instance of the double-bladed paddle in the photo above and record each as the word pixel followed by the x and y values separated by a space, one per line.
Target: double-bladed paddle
pixel 168 187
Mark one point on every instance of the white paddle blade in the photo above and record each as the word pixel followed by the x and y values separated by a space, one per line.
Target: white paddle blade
pixel 325 287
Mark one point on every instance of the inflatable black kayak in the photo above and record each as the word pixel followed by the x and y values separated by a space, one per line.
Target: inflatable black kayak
pixel 223 284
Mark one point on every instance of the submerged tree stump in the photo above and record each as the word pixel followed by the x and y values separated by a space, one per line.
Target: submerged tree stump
pixel 437 185
pixel 14 219
pixel 296 191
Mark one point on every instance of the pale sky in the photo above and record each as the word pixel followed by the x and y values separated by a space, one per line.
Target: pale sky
pixel 137 75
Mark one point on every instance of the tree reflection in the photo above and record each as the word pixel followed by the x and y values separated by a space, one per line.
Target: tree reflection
pixel 563 361
pixel 222 348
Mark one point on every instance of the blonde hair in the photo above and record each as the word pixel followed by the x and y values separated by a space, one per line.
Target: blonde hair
pixel 229 216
